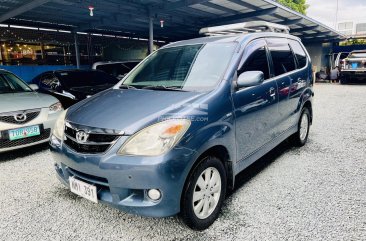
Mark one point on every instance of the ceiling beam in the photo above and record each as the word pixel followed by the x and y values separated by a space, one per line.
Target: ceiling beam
pixel 322 40
pixel 242 16
pixel 221 8
pixel 22 9
pixel 291 22
pixel 314 35
pixel 304 29
pixel 169 6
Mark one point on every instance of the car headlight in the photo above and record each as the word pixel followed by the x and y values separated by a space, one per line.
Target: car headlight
pixel 59 129
pixel 55 107
pixel 156 139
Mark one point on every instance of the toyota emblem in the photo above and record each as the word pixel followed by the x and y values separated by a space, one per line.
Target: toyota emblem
pixel 81 137
pixel 20 117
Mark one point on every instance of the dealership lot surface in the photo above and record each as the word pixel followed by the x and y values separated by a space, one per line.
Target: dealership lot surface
pixel 317 192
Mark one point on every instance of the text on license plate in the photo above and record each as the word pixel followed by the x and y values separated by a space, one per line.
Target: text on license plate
pixel 83 189
pixel 24 132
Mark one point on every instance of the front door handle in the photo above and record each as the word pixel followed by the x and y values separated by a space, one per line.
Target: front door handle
pixel 272 92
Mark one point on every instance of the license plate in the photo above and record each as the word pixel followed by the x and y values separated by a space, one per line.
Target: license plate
pixel 83 189
pixel 24 132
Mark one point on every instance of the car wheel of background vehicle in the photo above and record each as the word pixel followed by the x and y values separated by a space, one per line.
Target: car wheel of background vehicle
pixel 204 193
pixel 301 136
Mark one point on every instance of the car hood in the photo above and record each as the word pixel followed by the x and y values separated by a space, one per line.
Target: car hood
pixel 128 110
pixel 24 101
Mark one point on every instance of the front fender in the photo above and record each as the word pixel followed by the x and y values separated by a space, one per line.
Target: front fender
pixel 216 134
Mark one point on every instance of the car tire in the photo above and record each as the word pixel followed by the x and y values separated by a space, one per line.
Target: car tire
pixel 207 184
pixel 303 127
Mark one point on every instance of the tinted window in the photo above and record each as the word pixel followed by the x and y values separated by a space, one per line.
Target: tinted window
pixel 85 78
pixel 117 69
pixel 282 57
pixel 299 53
pixel 255 58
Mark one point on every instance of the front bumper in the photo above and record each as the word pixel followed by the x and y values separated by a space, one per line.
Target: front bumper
pixel 45 120
pixel 123 181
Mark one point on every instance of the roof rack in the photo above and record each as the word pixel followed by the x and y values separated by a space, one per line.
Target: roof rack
pixel 243 28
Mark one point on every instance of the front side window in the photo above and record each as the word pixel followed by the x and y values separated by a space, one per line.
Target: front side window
pixel 299 53
pixel 255 58
pixel 282 56
pixel 190 68
pixel 9 83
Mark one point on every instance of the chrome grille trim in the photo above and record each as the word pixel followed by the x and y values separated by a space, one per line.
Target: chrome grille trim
pixel 97 141
pixel 9 117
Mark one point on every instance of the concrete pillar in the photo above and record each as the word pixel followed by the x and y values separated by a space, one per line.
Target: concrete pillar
pixel 77 51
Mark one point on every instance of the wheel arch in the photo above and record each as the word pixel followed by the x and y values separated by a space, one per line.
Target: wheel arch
pixel 309 106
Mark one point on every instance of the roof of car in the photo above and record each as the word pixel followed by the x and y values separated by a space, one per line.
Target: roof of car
pixel 358 51
pixel 4 71
pixel 117 62
pixel 76 70
pixel 230 38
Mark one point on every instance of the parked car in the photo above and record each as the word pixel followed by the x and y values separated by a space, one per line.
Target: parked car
pixel 117 69
pixel 71 86
pixel 26 117
pixel 173 135
pixel 354 68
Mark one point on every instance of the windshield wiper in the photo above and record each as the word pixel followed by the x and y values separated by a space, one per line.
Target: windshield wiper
pixel 163 87
pixel 127 87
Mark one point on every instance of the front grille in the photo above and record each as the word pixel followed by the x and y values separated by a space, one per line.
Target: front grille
pixel 45 134
pixel 96 142
pixel 92 136
pixel 11 116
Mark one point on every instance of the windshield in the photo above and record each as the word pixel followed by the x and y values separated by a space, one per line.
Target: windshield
pixel 9 83
pixel 189 68
pixel 117 69
pixel 357 55
pixel 85 78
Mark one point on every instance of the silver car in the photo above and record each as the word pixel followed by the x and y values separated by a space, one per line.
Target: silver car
pixel 26 117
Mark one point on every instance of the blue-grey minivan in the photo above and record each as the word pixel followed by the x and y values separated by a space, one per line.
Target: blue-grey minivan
pixel 173 134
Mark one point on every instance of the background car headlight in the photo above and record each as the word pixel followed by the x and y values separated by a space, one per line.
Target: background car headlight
pixel 59 129
pixel 55 107
pixel 156 139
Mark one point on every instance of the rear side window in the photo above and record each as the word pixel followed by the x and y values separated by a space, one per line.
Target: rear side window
pixel 255 58
pixel 282 56
pixel 299 53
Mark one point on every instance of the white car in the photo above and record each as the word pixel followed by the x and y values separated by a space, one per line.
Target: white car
pixel 26 117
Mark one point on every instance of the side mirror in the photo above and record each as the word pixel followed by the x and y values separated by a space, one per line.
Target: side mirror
pixel 34 87
pixel 250 78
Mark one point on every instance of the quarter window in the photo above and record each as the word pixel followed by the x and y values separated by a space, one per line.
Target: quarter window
pixel 282 57
pixel 299 53
pixel 255 58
